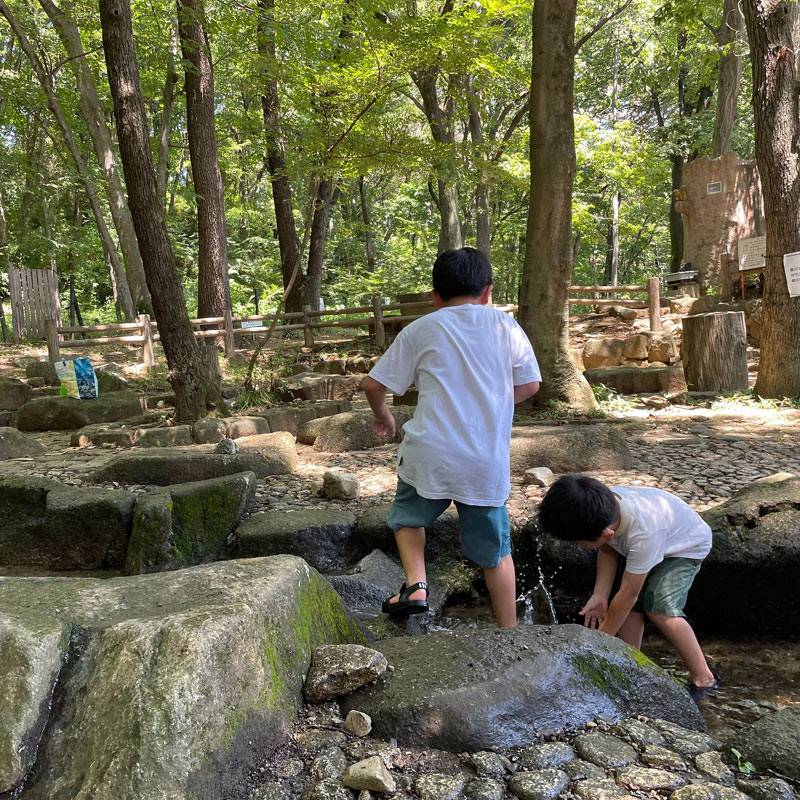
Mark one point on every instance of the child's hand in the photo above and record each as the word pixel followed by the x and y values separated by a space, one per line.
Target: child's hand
pixel 594 612
pixel 383 425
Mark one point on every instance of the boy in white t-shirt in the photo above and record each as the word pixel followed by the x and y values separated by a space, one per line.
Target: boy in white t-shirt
pixel 664 542
pixel 471 364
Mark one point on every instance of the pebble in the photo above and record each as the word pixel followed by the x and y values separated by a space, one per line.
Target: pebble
pixel 370 774
pixel 604 750
pixel 358 723
pixel 545 784
pixel 542 756
pixel 436 786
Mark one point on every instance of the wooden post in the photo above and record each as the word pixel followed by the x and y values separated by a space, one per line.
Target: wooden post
pixel 51 332
pixel 230 344
pixel 308 332
pixel 714 351
pixel 380 331
pixel 148 355
pixel 654 303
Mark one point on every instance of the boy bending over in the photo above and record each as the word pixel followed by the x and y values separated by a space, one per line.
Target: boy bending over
pixel 470 363
pixel 664 542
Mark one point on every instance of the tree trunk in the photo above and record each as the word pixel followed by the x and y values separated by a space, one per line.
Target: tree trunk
pixel 714 352
pixel 675 219
pixel 730 77
pixel 312 286
pixel 91 110
pixel 547 270
pixel 194 390
pixel 213 291
pixel 276 162
pixel 167 103
pixel 53 104
pixel 482 189
pixel 777 130
pixel 369 247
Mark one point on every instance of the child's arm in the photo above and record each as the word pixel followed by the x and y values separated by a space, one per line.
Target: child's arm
pixel 525 390
pixel 594 612
pixel 623 602
pixel 383 424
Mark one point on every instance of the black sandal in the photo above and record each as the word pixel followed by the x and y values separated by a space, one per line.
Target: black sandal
pixel 403 607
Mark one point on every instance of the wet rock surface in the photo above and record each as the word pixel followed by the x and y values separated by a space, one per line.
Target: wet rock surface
pixel 337 670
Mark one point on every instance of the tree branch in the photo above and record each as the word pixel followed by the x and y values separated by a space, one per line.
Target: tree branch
pixel 598 25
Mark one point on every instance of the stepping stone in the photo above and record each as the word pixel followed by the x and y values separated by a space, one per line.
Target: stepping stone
pixel 68 413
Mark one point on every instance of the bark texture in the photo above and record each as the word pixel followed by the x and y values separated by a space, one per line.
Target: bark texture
pixel 547 270
pixel 714 351
pixel 92 111
pixel 194 391
pixel 213 291
pixel 730 32
pixel 777 131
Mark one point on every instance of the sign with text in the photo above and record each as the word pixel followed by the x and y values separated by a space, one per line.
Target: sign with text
pixel 752 252
pixel 791 266
pixel 252 323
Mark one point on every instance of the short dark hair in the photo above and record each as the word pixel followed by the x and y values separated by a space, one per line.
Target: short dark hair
pixel 577 507
pixel 461 273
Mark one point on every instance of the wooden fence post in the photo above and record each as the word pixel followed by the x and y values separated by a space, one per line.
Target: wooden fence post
pixel 308 331
pixel 51 332
pixel 654 303
pixel 380 331
pixel 148 355
pixel 230 344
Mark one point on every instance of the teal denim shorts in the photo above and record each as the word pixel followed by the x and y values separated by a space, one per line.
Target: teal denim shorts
pixel 667 586
pixel 485 534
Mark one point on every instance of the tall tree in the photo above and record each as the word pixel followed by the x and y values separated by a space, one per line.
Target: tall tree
pixel 195 391
pixel 45 79
pixel 773 44
pixel 728 34
pixel 93 113
pixel 213 292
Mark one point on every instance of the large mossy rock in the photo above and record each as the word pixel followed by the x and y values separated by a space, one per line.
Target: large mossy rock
pixel 68 413
pixel 267 454
pixel 42 369
pixel 756 545
pixel 54 526
pixel 13 394
pixel 579 448
pixel 322 536
pixel 314 386
pixel 188 524
pixel 14 444
pixel 343 433
pixel 773 742
pixel 472 690
pixel 174 685
pixel 638 380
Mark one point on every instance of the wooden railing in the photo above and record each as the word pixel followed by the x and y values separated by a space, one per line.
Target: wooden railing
pixel 376 317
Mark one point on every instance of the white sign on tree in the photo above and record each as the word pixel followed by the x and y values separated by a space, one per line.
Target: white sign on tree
pixel 752 252
pixel 791 266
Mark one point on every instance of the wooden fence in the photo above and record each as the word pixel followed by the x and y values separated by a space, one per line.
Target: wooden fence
pixel 376 317
pixel 34 300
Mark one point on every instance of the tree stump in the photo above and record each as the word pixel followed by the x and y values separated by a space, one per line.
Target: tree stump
pixel 714 351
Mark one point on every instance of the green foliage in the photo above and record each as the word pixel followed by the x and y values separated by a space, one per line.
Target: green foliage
pixel 745 767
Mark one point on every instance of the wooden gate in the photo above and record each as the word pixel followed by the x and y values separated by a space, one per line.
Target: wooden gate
pixel 34 298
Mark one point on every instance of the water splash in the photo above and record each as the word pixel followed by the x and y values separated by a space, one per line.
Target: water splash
pixel 538 602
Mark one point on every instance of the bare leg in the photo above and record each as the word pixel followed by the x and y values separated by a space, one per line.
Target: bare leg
pixel 632 630
pixel 680 635
pixel 411 545
pixel 502 584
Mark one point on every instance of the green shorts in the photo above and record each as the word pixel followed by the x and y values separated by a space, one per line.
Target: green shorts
pixel 667 586
pixel 485 534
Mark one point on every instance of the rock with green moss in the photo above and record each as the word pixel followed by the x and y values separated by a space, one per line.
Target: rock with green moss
pixel 31 650
pixel 175 685
pixel 187 524
pixel 755 545
pixel 474 689
pixel 165 466
pixel 55 526
pixel 68 413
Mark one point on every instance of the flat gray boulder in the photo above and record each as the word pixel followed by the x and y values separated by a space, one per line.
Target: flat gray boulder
pixel 638 380
pixel 374 578
pixel 165 466
pixel 13 394
pixel 68 413
pixel 110 378
pixel 755 545
pixel 471 690
pixel 342 433
pixel 42 369
pixel 175 685
pixel 315 386
pixel 164 436
pixel 322 536
pixel 579 448
pixel 14 444
pixel 60 527
pixel 188 524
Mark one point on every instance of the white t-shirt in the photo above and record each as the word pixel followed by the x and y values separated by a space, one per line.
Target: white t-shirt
pixel 656 525
pixel 465 361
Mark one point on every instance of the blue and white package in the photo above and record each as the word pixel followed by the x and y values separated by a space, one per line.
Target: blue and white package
pixel 77 379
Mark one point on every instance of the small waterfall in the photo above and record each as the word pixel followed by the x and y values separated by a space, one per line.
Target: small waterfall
pixel 538 602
